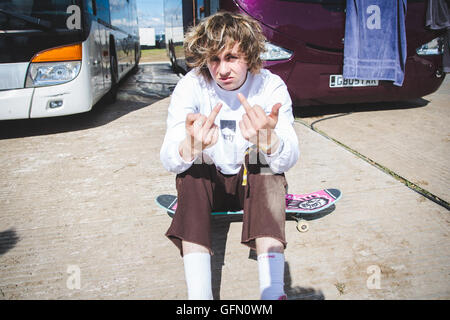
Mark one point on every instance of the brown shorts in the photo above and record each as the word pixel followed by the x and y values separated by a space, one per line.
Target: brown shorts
pixel 203 189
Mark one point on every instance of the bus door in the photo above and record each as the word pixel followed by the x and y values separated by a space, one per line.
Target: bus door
pixel 104 47
pixel 99 68
pixel 95 57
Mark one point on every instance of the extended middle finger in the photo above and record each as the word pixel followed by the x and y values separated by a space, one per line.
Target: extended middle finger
pixel 198 126
pixel 249 110
pixel 256 114
pixel 209 135
pixel 212 116
pixel 250 126
pixel 207 131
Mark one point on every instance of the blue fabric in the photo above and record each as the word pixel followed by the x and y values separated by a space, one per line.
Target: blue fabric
pixel 375 40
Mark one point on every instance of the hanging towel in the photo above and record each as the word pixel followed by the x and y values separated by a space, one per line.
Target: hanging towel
pixel 437 18
pixel 375 40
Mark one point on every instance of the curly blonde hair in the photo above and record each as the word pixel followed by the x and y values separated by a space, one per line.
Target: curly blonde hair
pixel 220 31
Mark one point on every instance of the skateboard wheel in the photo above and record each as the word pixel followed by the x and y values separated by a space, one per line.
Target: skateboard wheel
pixel 302 226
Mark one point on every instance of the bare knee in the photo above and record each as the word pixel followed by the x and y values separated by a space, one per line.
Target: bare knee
pixel 267 244
pixel 190 247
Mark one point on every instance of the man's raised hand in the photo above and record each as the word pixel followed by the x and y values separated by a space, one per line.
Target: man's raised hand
pixel 201 133
pixel 258 127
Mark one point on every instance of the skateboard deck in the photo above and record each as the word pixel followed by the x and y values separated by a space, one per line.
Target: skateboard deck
pixel 296 204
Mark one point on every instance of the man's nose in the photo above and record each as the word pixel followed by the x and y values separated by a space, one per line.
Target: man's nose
pixel 224 68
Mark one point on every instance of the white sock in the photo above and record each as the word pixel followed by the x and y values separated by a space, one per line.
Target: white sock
pixel 271 275
pixel 197 270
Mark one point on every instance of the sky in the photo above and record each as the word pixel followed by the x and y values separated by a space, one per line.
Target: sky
pixel 150 14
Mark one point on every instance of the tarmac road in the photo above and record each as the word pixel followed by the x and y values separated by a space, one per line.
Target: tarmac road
pixel 78 218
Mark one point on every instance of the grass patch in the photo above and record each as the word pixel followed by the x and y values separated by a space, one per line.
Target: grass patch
pixel 340 287
pixel 152 55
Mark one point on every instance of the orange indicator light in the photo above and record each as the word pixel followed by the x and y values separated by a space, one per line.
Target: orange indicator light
pixel 66 53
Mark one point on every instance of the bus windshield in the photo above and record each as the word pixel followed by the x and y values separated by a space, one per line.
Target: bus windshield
pixel 35 14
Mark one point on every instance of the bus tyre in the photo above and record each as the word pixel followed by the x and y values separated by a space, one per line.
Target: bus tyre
pixel 112 94
pixel 136 59
pixel 173 59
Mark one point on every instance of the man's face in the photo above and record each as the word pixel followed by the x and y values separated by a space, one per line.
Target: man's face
pixel 229 68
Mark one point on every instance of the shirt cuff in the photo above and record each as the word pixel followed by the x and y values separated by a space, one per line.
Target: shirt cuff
pixel 183 164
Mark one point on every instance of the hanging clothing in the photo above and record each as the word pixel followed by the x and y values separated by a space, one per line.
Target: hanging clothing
pixel 375 40
pixel 437 18
pixel 437 15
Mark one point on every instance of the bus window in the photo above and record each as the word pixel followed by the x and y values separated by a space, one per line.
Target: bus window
pixel 52 12
pixel 103 12
pixel 201 10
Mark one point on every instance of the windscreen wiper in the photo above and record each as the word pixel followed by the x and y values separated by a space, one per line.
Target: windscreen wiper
pixel 40 23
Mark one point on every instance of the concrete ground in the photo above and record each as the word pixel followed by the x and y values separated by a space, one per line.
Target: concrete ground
pixel 78 218
pixel 410 138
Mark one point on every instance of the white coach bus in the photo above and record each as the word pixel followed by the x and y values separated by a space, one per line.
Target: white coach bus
pixel 59 57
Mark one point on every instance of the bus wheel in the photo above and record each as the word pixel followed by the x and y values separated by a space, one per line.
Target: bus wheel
pixel 173 59
pixel 112 94
pixel 136 58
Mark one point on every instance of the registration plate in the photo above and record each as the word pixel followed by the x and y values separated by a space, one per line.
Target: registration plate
pixel 337 81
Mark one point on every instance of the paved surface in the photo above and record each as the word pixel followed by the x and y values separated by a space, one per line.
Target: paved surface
pixel 410 138
pixel 78 218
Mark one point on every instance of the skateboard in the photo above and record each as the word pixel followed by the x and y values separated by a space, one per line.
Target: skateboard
pixel 297 205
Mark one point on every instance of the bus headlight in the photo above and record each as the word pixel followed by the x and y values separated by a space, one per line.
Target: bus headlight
pixel 433 47
pixel 52 73
pixel 274 52
pixel 55 66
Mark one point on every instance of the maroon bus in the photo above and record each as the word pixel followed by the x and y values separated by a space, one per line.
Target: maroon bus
pixel 306 48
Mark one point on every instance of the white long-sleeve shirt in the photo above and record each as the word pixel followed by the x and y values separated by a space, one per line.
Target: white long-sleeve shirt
pixel 193 94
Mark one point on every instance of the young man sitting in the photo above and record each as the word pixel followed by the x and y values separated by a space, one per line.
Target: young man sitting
pixel 229 139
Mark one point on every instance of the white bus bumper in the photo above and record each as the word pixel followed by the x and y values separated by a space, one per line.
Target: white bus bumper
pixel 15 104
pixel 63 99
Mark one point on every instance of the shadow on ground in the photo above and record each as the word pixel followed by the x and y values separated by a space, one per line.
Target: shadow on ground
pixel 219 230
pixel 324 110
pixel 8 240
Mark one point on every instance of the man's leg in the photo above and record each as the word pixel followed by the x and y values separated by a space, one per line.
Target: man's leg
pixel 197 270
pixel 190 228
pixel 263 229
pixel 191 222
pixel 270 253
pixel 267 244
